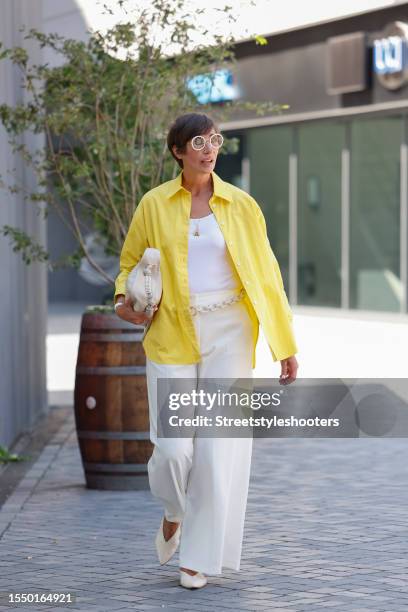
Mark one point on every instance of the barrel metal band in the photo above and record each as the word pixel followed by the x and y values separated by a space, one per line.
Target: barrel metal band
pixel 112 370
pixel 115 467
pixel 127 337
pixel 114 435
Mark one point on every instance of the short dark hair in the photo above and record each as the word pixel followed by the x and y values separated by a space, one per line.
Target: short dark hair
pixel 186 127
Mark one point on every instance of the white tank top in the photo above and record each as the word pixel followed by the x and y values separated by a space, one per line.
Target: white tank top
pixel 210 266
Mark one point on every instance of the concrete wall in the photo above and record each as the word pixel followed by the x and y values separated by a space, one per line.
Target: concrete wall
pixel 23 306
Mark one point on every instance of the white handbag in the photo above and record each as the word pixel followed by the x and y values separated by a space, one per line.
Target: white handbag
pixel 144 283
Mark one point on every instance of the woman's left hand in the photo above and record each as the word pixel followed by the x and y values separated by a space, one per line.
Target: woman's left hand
pixel 289 367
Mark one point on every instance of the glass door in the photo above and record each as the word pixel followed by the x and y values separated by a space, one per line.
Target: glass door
pixel 319 213
pixel 375 282
pixel 268 151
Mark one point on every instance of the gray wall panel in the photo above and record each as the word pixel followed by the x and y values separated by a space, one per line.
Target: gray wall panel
pixel 23 308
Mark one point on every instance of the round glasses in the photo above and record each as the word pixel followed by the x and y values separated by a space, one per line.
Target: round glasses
pixel 198 142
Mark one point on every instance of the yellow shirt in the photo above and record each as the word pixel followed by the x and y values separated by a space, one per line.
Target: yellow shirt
pixel 161 220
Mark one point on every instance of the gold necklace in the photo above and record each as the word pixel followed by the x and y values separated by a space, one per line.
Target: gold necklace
pixel 197 229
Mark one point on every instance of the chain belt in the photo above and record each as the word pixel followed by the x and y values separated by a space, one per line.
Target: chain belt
pixel 217 305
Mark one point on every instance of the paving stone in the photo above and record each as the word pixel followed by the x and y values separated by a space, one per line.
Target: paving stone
pixel 325 529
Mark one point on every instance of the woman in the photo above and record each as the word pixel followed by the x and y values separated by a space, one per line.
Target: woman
pixel 220 281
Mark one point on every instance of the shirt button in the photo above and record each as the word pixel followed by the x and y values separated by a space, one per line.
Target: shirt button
pixel 254 301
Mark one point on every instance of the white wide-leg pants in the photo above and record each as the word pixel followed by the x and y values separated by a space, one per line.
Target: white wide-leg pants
pixel 203 481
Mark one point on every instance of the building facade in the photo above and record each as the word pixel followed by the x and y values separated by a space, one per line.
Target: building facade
pixel 331 172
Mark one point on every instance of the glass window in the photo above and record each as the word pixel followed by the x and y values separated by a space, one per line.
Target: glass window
pixel 374 255
pixel 268 149
pixel 229 160
pixel 319 213
pixel 375 214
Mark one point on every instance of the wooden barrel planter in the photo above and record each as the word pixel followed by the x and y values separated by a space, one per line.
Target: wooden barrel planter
pixel 111 404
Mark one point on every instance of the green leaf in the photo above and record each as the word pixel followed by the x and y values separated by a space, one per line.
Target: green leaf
pixel 260 40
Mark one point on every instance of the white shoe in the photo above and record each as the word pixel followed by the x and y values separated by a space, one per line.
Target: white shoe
pixel 192 582
pixel 166 548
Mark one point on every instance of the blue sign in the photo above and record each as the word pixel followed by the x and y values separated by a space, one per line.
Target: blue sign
pixel 215 87
pixel 390 55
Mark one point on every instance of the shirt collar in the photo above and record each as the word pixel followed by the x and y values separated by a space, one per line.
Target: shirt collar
pixel 221 188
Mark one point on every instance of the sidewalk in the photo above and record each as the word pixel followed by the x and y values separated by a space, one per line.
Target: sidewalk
pixel 326 520
pixel 326 529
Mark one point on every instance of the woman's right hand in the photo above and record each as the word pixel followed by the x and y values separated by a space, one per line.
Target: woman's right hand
pixel 127 313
